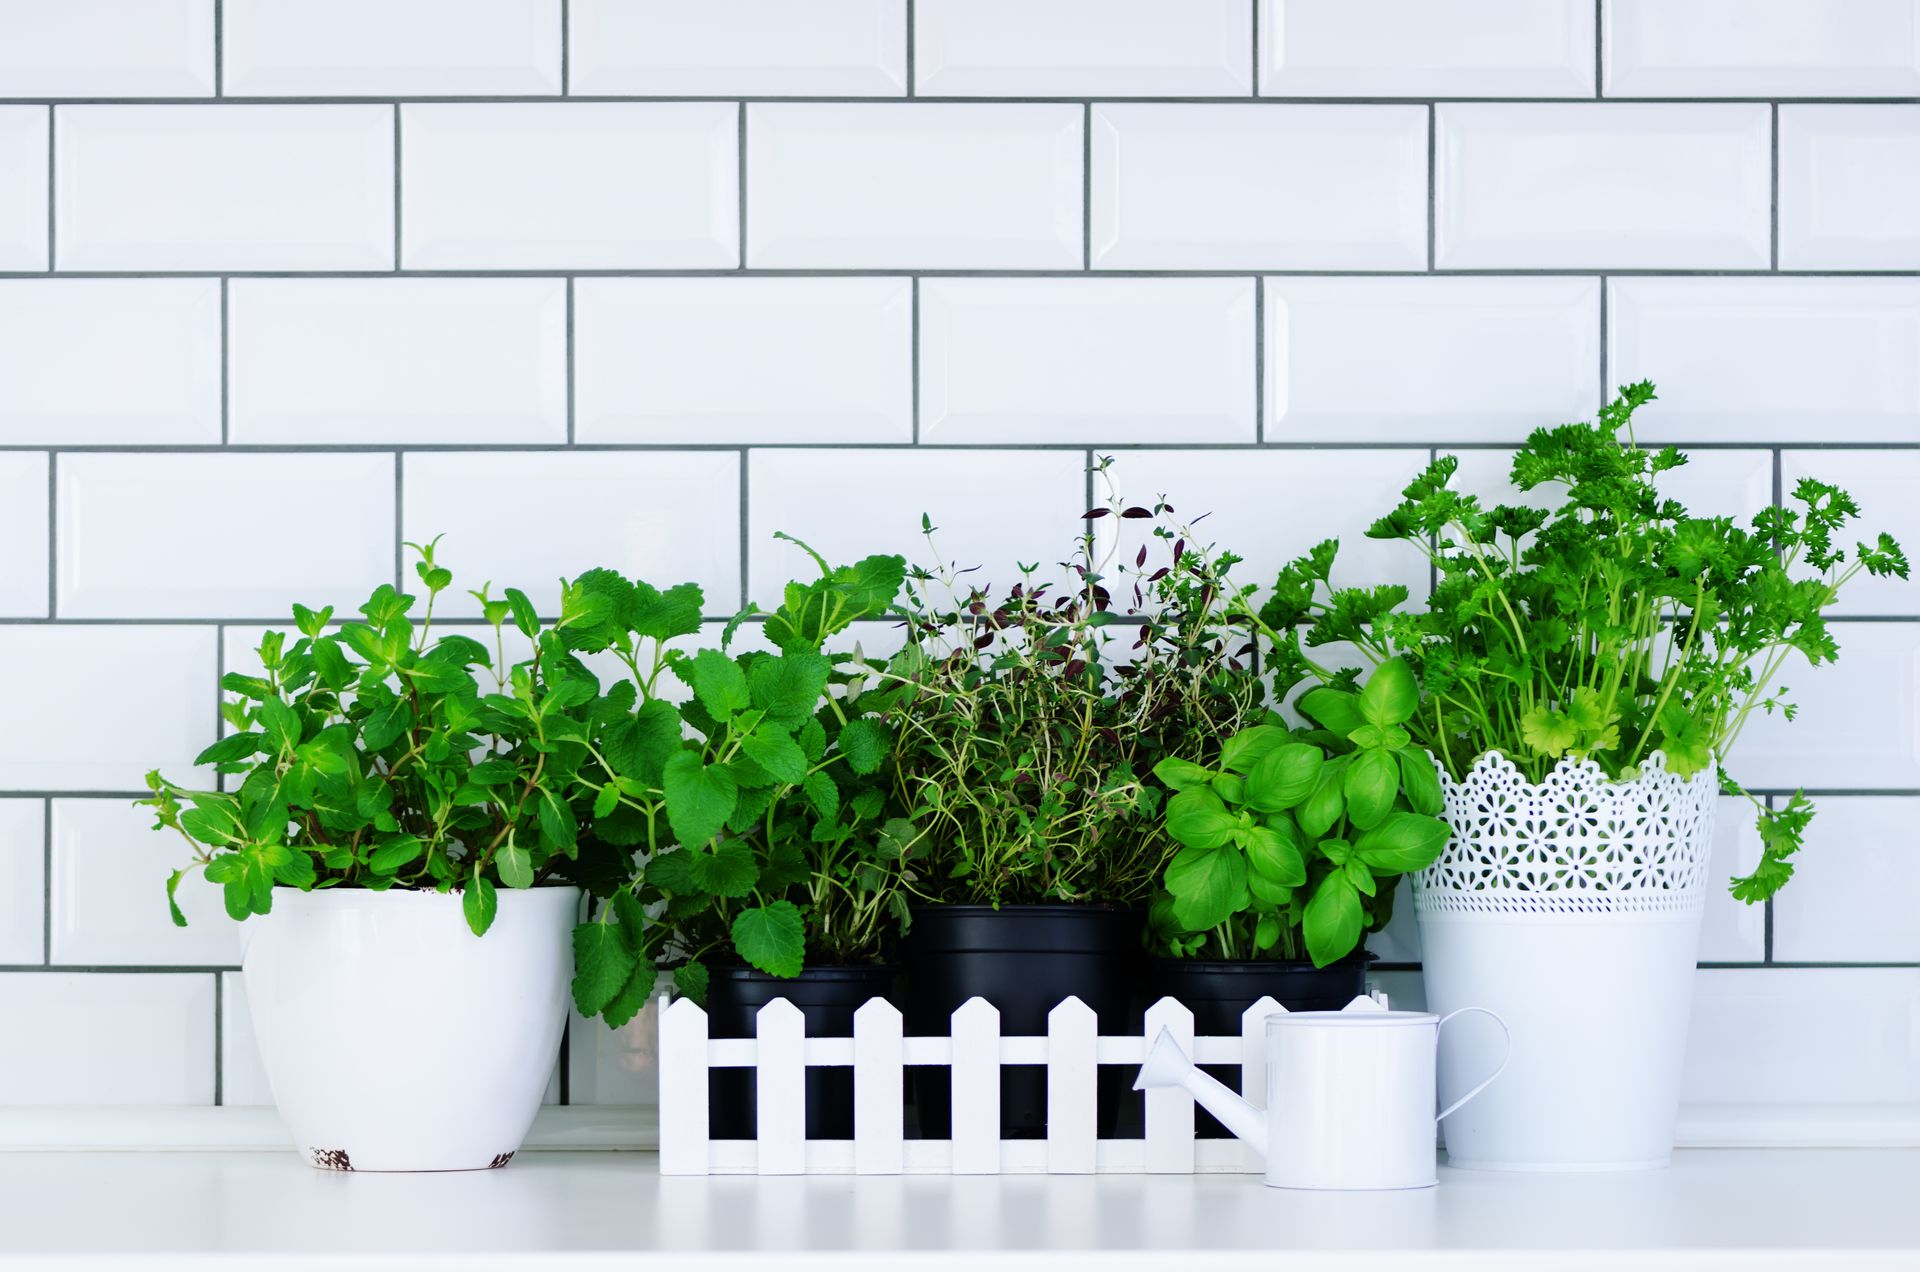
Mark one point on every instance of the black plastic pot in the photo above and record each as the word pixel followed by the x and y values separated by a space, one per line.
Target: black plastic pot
pixel 1218 994
pixel 827 998
pixel 1023 959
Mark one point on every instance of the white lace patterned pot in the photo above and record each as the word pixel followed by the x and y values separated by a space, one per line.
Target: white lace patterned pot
pixel 1571 908
pixel 393 1037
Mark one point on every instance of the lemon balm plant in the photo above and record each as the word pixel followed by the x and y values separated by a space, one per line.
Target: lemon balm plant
pixel 394 791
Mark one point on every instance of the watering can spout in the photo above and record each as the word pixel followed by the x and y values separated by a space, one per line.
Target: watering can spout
pixel 1168 1066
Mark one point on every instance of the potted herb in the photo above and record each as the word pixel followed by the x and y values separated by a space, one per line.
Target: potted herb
pixel 771 869
pixel 1586 670
pixel 1290 848
pixel 392 794
pixel 1027 738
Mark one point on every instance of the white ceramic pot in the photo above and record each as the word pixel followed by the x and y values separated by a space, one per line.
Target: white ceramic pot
pixel 394 1038
pixel 1571 908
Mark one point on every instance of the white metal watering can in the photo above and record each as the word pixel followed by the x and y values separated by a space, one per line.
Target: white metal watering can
pixel 1350 1095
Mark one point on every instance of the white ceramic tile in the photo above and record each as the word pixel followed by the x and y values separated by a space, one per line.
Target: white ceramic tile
pixel 23 187
pixel 765 48
pixel 106 1038
pixel 1712 483
pixel 1849 187
pixel 106 48
pixel 243 1078
pixel 1849 899
pixel 421 48
pixel 934 186
pixel 220 536
pixel 1762 48
pixel 1104 360
pixel 1886 485
pixel 614 1066
pixel 991 510
pixel 1804 1036
pixel 570 185
pixel 1602 186
pixel 72 678
pixel 22 880
pixel 23 532
pixel 1070 48
pixel 1219 187
pixel 398 360
pixel 1271 506
pixel 94 361
pixel 224 187
pixel 1426 48
pixel 1429 359
pixel 1841 357
pixel 109 892
pixel 667 517
pixel 744 359
pixel 1731 931
pixel 1858 724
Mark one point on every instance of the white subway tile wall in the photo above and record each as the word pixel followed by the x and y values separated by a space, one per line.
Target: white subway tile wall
pixel 584 282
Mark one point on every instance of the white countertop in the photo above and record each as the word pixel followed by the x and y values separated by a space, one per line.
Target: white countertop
pixel 1724 1209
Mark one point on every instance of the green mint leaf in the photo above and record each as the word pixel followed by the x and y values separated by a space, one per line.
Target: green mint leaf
pixel 691 980
pixel 479 902
pixel 173 906
pixel 772 938
pixel 717 682
pixel 866 742
pixel 700 798
pixel 789 687
pixel 514 863
pixel 524 617
pixel 633 996
pixel 602 966
pixel 727 871
pixel 777 753
pixel 390 856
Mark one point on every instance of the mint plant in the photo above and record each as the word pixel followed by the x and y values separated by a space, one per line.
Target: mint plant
pixel 1606 627
pixel 380 755
pixel 1292 842
pixel 758 804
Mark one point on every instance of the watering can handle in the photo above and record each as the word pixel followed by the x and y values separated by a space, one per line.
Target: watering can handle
pixel 1488 1080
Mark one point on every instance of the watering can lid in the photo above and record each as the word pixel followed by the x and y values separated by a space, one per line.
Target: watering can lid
pixel 1361 1011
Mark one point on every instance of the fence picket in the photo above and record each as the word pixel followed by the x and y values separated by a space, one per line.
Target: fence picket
pixel 879 1097
pixel 780 1084
pixel 1073 1033
pixel 976 1088
pixel 1170 1111
pixel 683 1085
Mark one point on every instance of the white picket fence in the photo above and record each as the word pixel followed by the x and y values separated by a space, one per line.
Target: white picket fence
pixel 1072 1051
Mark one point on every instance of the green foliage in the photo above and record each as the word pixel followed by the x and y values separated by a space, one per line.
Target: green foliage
pixel 1606 625
pixel 373 755
pixel 1283 851
pixel 764 826
pixel 1032 721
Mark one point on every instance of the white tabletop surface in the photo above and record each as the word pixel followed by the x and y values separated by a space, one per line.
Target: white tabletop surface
pixel 1723 1209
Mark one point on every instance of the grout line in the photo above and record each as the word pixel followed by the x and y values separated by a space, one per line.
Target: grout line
pixel 398 259
pixel 1087 493
pixel 1433 184
pixel 1254 8
pixel 1260 360
pixel 740 179
pixel 1086 185
pixel 913 352
pixel 571 391
pixel 1766 930
pixel 745 589
pixel 843 99
pixel 53 259
pixel 1599 49
pixel 911 58
pixel 53 535
pixel 135 969
pixel 46 881
pixel 219 692
pixel 1605 352
pixel 901 271
pixel 1773 206
pixel 399 518
pixel 219 48
pixel 226 366
pixel 219 1029
pixel 566 40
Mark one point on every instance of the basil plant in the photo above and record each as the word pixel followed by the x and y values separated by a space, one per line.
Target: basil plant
pixel 1292 842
